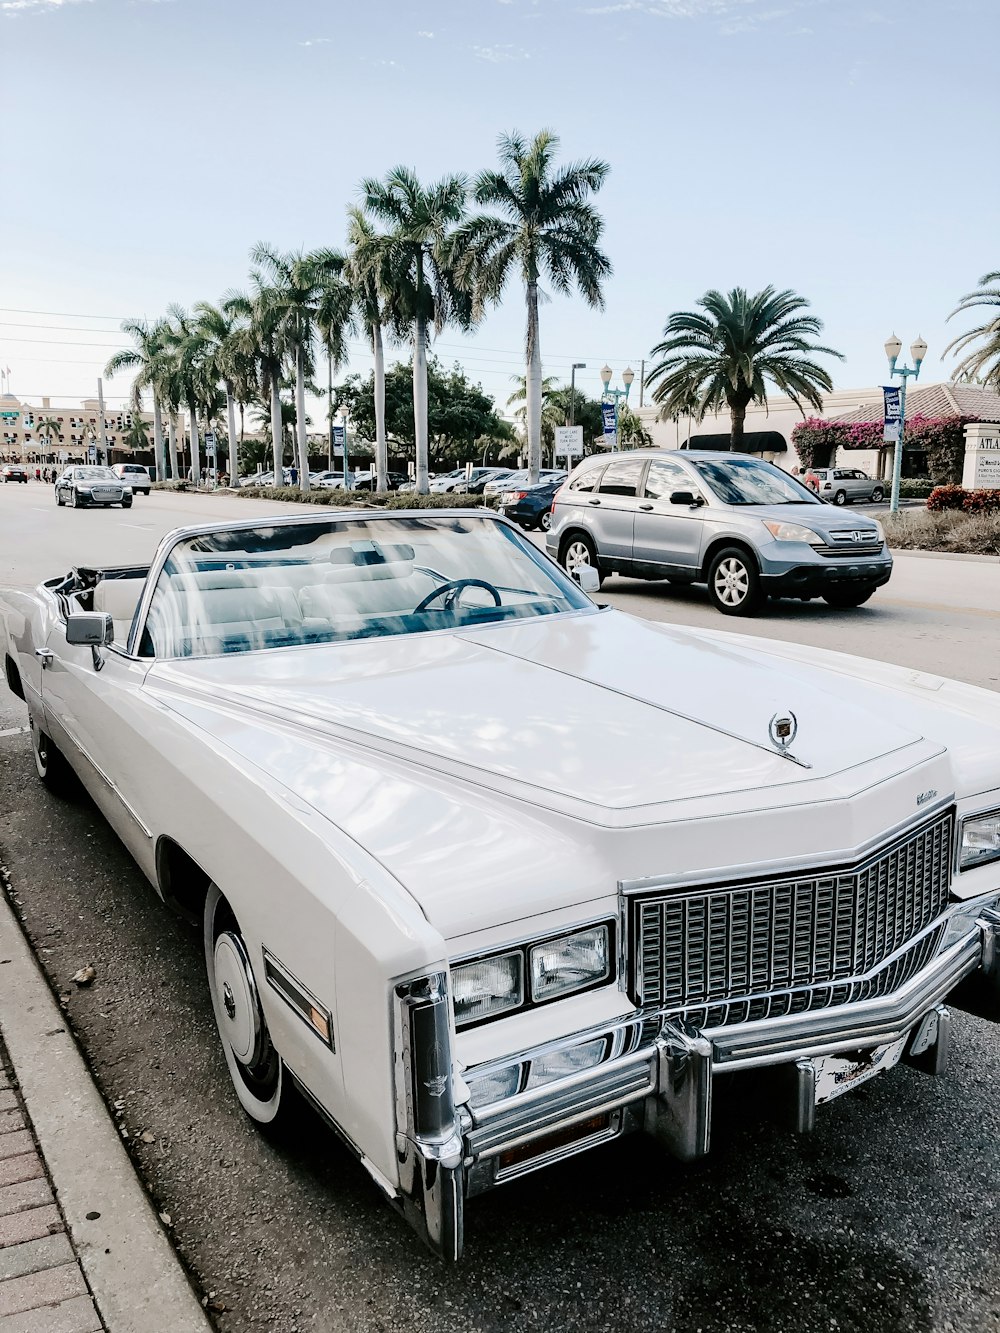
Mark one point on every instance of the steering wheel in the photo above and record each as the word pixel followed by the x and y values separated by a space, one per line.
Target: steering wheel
pixel 452 592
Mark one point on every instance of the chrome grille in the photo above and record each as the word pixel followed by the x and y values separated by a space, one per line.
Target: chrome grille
pixel 849 552
pixel 703 947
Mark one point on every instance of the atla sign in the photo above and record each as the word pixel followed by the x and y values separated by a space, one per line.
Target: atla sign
pixel 981 470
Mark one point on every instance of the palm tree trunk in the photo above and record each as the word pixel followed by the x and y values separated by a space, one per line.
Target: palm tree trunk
pixel 234 467
pixel 158 440
pixel 533 386
pixel 738 417
pixel 420 402
pixel 195 443
pixel 172 444
pixel 300 418
pixel 277 434
pixel 381 450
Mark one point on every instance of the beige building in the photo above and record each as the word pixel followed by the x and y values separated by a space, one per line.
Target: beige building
pixel 771 429
pixel 22 440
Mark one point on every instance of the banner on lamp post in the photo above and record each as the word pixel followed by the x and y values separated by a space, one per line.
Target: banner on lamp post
pixel 609 418
pixel 893 415
pixel 339 439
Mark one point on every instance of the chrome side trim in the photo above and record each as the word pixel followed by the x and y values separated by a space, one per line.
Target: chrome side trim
pixel 109 783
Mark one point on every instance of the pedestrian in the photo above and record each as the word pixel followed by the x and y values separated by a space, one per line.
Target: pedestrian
pixel 293 475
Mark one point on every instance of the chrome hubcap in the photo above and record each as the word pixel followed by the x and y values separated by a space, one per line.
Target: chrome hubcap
pixel 732 582
pixel 240 1019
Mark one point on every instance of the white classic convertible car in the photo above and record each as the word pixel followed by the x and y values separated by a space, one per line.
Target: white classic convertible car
pixel 493 874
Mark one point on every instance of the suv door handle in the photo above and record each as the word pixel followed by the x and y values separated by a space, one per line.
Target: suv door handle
pixel 46 656
pixel 593 502
pixel 645 507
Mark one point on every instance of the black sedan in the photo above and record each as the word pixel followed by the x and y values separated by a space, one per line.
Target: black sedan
pixel 530 506
pixel 15 472
pixel 81 486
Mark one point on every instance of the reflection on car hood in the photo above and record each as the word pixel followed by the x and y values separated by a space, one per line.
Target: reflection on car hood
pixel 595 713
pixel 821 517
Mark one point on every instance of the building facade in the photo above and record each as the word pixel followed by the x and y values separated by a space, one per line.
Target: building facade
pixel 23 440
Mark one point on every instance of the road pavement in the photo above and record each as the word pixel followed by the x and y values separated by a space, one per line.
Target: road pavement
pixel 883 1221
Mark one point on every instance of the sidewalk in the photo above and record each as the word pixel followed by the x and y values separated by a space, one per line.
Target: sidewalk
pixel 81 1249
pixel 42 1287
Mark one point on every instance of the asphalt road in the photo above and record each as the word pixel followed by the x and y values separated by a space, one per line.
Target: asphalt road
pixel 883 1221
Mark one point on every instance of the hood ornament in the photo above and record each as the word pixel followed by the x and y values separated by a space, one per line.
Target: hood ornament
pixel 782 729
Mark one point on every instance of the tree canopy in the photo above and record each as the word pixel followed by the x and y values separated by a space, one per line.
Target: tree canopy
pixel 460 414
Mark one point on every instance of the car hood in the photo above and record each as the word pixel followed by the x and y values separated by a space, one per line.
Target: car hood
pixel 821 517
pixel 595 714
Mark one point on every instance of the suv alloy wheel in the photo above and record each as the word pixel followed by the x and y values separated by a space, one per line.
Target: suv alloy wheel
pixel 734 583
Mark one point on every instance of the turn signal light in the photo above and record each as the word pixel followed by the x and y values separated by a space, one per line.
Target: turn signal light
pixel 561 1138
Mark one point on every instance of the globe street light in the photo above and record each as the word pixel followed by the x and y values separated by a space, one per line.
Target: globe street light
pixel 918 350
pixel 612 395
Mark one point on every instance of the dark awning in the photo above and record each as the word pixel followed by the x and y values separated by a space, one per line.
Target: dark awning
pixel 754 442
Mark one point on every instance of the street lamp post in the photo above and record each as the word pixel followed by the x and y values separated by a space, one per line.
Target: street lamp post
pixel 577 365
pixel 343 422
pixel 613 395
pixel 918 350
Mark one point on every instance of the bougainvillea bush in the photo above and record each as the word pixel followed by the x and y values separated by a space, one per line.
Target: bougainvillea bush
pixel 970 502
pixel 943 438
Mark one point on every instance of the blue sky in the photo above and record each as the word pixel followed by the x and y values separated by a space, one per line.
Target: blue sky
pixel 843 148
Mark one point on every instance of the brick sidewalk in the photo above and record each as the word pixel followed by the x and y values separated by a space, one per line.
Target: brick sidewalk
pixel 42 1287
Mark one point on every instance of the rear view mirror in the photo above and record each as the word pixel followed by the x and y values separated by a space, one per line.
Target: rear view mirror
pixel 588 578
pixel 684 498
pixel 94 628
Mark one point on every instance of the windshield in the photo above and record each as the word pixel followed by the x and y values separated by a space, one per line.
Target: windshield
pixel 748 481
pixel 334 580
pixel 93 474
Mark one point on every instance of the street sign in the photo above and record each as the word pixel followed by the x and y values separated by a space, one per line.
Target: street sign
pixel 893 416
pixel 92 453
pixel 210 443
pixel 569 441
pixel 339 440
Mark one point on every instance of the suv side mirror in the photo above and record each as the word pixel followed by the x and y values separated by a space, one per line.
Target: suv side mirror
pixel 684 498
pixel 588 578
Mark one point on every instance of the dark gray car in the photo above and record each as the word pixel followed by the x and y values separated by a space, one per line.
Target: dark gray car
pixel 744 527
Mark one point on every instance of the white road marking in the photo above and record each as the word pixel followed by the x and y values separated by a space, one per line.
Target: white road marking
pixel 15 731
pixel 141 527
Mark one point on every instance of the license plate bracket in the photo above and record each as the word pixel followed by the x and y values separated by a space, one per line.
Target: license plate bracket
pixel 840 1073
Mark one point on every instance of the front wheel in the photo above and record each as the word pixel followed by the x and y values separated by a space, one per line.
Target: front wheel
pixel 255 1067
pixel 59 499
pixel 734 583
pixel 579 550
pixel 50 763
pixel 878 494
pixel 126 504
pixel 845 598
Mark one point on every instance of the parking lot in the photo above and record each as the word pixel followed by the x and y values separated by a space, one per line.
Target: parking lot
pixel 885 1219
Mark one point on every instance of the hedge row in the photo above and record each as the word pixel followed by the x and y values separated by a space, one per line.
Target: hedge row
pixel 970 502
pixel 362 499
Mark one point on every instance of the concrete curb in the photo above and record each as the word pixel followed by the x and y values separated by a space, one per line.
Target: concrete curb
pixel 134 1274
pixel 945 555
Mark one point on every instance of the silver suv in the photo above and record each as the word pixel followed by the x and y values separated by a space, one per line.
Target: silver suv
pixel 742 526
pixel 842 485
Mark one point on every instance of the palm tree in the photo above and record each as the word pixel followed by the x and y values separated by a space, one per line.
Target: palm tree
pixel 546 227
pixel 419 277
pixel 980 363
pixel 261 342
pixel 149 357
pixel 137 435
pixel 367 273
pixel 220 332
pixel 726 356
pixel 553 411
pixel 48 427
pixel 191 374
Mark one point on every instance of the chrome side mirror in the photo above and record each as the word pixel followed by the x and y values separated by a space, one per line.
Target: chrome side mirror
pixel 95 629
pixel 588 578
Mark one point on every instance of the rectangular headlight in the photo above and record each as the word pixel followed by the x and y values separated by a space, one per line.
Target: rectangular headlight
pixel 569 963
pixel 495 1087
pixel 570 1060
pixel 980 840
pixel 487 987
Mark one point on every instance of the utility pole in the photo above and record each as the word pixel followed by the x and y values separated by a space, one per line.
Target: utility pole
pixel 642 378
pixel 101 435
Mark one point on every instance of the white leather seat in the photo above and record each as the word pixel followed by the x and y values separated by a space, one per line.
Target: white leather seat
pixel 119 598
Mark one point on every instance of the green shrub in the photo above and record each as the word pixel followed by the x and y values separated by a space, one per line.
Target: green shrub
pixel 364 499
pixel 912 488
pixel 176 485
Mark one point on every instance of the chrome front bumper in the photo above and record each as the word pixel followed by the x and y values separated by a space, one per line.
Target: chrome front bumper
pixel 664 1086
